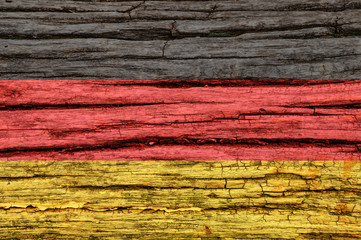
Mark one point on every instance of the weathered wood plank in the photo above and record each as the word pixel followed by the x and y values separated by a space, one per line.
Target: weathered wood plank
pixel 191 58
pixel 75 25
pixel 230 68
pixel 180 120
pixel 221 5
pixel 132 120
pixel 194 200
pixel 178 39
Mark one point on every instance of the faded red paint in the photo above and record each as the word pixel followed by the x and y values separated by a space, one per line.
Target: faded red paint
pixel 175 120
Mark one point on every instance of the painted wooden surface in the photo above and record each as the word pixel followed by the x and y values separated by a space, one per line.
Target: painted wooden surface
pixel 224 39
pixel 177 120
pixel 180 200
pixel 259 118
pixel 180 120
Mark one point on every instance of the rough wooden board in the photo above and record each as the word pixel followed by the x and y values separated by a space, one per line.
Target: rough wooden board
pixel 312 39
pixel 180 200
pixel 190 120
pixel 205 6
pixel 180 39
pixel 191 58
pixel 114 26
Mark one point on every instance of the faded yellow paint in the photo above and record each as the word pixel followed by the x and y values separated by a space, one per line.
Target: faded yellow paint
pixel 180 199
pixel 347 167
pixel 309 173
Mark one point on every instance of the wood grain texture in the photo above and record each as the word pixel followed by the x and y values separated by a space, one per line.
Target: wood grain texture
pixel 220 118
pixel 180 120
pixel 180 200
pixel 313 39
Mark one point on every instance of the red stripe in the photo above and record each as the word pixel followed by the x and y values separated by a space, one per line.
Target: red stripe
pixel 180 120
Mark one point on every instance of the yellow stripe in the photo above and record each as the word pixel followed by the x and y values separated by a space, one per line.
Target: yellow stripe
pixel 180 199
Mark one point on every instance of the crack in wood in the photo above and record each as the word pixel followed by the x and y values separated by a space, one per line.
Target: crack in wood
pixel 158 141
